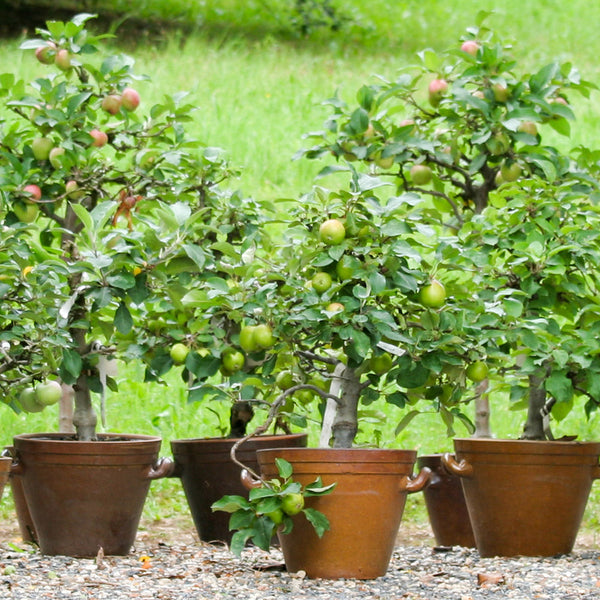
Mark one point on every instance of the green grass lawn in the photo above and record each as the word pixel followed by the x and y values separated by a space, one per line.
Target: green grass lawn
pixel 258 88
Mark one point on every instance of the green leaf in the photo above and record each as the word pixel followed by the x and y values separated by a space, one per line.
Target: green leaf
pixel 72 362
pixel 230 504
pixel 239 540
pixel 405 421
pixel 318 520
pixel 284 468
pixel 123 320
pixel 559 386
pixel 84 216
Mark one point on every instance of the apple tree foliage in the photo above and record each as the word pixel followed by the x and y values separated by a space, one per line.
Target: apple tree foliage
pixel 506 220
pixel 128 221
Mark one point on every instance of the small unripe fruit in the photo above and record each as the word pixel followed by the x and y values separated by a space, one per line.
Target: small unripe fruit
pixel 510 171
pixel 55 157
pixel 321 282
pixel 45 54
pixel 433 295
pixel 47 393
pixel 179 353
pixel 501 92
pixel 41 148
pixel 477 371
pixel 73 190
pixel 437 88
pixel 528 127
pixel 263 336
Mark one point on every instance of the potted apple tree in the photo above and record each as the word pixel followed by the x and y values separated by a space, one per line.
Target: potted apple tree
pixel 110 214
pixel 461 139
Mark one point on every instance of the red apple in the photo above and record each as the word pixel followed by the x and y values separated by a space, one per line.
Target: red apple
pixel 111 104
pixel 437 89
pixel 34 191
pixel 100 138
pixel 130 99
pixel 470 47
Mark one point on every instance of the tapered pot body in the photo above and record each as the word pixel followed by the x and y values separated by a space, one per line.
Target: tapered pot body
pixel 207 474
pixel 22 510
pixel 83 496
pixel 364 509
pixel 525 497
pixel 446 505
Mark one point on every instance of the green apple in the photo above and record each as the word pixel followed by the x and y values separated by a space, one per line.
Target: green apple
pixel 510 170
pixel 284 380
pixel 334 307
pixel 477 371
pixel 321 282
pixel 528 127
pixel 421 174
pixel 292 504
pixel 232 361
pixel 332 232
pixel 73 190
pixel 179 353
pixel 276 516
pixel 498 144
pixel 381 363
pixel 501 92
pixel 347 267
pixel 48 392
pixel 433 295
pixel 56 156
pixel 41 147
pixel 247 341
pixel 263 336
pixel 28 401
pixel 25 211
pixel 385 162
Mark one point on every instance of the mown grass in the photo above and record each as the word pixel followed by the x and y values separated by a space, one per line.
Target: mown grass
pixel 258 87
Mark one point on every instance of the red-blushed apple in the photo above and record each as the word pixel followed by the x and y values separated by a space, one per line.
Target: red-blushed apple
pixel 130 99
pixel 63 59
pixel 34 192
pixel 332 232
pixel 73 190
pixel 528 127
pixel 421 174
pixel 41 147
pixel 470 47
pixel 334 307
pixel 55 157
pixel 111 104
pixel 100 138
pixel 437 88
pixel 501 92
pixel 45 54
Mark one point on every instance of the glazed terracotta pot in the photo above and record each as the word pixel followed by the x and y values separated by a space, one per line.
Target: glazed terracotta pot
pixel 446 506
pixel 207 474
pixel 525 497
pixel 83 496
pixel 24 520
pixel 5 464
pixel 364 509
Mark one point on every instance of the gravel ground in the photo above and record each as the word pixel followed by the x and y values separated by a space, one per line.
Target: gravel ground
pixel 169 563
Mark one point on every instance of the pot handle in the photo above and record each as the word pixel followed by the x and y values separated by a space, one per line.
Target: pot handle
pixel 164 467
pixel 16 468
pixel 248 481
pixel 410 484
pixel 462 468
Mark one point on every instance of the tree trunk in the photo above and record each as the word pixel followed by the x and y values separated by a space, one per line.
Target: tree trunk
pixel 534 426
pixel 345 424
pixel 84 417
pixel 482 411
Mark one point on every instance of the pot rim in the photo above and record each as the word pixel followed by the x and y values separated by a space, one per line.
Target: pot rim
pixel 231 441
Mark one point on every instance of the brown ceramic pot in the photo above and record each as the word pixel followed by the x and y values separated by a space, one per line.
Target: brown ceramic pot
pixel 24 520
pixel 5 463
pixel 446 506
pixel 207 473
pixel 525 497
pixel 364 509
pixel 84 496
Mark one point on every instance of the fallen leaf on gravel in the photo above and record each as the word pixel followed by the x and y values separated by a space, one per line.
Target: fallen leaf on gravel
pixel 487 579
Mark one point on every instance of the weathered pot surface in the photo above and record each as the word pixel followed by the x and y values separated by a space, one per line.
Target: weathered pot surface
pixel 83 496
pixel 525 497
pixel 364 509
